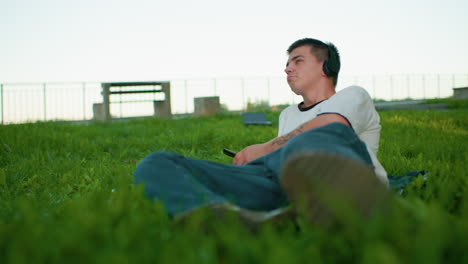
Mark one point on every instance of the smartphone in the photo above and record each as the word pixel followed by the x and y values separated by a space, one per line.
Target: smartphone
pixel 230 153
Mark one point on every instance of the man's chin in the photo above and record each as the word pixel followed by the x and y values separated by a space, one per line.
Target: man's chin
pixel 296 91
pixel 294 88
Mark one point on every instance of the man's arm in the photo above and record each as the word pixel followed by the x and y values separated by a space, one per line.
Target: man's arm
pixel 255 151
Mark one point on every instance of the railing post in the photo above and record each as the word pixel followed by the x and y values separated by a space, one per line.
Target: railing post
pixel 1 100
pixel 424 86
pixel 106 100
pixel 120 103
pixel 243 94
pixel 374 84
pixel 84 101
pixel 408 86
pixel 268 90
pixel 391 88
pixel 453 81
pixel 44 101
pixel 215 88
pixel 438 85
pixel 186 98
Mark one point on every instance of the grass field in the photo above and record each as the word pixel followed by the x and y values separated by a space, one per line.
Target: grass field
pixel 66 195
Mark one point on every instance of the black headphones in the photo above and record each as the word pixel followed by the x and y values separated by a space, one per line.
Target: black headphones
pixel 331 66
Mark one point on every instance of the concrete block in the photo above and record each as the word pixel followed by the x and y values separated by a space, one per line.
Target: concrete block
pixel 98 112
pixel 460 93
pixel 205 106
pixel 162 109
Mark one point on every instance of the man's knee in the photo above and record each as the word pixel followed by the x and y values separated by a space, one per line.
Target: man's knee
pixel 152 163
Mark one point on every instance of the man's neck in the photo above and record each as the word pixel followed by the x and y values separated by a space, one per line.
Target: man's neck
pixel 317 95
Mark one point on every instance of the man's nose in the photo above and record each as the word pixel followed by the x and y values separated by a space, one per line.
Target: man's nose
pixel 288 69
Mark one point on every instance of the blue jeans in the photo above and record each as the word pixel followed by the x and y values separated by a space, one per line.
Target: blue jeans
pixel 183 183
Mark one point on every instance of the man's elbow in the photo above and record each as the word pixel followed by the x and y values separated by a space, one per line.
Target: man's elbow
pixel 328 118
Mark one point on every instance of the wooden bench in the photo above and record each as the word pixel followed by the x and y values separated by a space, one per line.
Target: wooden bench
pixel 162 108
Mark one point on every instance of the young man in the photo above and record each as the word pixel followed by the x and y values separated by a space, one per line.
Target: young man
pixel 326 150
pixel 308 77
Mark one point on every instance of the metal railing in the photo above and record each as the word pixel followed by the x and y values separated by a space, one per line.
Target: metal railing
pixel 30 102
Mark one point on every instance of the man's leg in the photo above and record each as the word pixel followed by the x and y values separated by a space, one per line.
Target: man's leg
pixel 334 138
pixel 182 183
pixel 327 171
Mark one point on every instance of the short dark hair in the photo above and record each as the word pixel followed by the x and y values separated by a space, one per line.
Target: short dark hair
pixel 322 51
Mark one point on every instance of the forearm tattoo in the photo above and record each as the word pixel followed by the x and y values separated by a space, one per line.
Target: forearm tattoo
pixel 283 139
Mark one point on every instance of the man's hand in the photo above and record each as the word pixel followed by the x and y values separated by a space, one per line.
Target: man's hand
pixel 256 151
pixel 250 153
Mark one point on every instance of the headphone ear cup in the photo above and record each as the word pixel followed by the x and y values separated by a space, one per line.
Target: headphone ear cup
pixel 325 68
pixel 331 66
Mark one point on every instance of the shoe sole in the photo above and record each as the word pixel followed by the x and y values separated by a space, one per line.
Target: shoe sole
pixel 222 211
pixel 325 188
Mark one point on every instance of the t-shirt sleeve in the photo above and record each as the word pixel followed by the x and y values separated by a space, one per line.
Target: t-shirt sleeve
pixel 281 122
pixel 354 104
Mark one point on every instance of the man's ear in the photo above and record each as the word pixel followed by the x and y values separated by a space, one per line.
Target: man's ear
pixel 322 73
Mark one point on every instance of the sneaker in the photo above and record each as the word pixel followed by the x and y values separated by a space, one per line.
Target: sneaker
pixel 325 188
pixel 223 211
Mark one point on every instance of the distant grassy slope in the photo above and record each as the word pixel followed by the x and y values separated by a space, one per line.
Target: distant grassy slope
pixel 452 103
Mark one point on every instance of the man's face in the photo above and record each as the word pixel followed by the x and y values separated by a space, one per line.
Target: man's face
pixel 303 70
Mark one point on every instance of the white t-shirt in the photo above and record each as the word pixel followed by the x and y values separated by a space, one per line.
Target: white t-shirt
pixel 354 104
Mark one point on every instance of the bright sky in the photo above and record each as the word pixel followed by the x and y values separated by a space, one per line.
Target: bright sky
pixel 133 40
